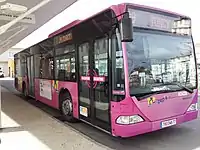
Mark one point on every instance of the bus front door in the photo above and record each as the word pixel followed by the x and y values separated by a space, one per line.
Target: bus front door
pixel 93 84
pixel 30 67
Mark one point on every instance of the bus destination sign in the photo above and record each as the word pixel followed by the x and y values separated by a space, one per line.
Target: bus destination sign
pixel 145 19
pixel 63 38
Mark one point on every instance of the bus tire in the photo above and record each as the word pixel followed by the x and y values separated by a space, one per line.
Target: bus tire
pixel 66 107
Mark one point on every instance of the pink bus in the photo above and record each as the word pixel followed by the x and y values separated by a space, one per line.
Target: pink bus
pixel 127 70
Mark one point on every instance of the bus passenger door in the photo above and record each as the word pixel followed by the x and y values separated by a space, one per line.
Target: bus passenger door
pixel 93 85
pixel 84 83
pixel 100 89
pixel 30 67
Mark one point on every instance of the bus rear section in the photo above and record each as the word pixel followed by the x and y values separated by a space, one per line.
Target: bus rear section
pixel 160 67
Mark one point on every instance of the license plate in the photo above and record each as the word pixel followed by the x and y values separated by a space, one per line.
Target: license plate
pixel 168 123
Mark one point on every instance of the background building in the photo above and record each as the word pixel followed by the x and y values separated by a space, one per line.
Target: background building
pixel 7 61
pixel 197 46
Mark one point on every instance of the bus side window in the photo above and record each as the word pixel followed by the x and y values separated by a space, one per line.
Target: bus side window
pixel 101 57
pixel 46 68
pixel 65 67
pixel 72 68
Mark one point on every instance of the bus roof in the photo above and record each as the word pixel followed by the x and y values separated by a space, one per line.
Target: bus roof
pixel 120 8
pixel 76 22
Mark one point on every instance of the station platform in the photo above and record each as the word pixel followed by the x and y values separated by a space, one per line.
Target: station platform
pixel 25 127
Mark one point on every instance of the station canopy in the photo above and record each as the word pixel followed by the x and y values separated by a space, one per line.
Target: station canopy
pixel 19 18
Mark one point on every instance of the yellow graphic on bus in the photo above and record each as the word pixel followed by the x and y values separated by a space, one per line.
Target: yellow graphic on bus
pixel 151 100
pixel 20 82
pixel 55 84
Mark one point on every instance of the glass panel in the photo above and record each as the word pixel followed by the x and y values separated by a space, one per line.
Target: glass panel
pixel 37 65
pixel 31 66
pixel 65 63
pixel 65 68
pixel 32 72
pixel 29 74
pixel 65 49
pixel 84 83
pixel 17 67
pixel 44 53
pixel 20 67
pixel 101 79
pixel 47 68
pixel 118 65
pixel 160 62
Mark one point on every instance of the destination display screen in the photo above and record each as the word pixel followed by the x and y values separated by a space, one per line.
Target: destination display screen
pixel 63 38
pixel 145 19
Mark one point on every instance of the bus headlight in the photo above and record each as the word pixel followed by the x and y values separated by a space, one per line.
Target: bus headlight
pixel 129 119
pixel 193 107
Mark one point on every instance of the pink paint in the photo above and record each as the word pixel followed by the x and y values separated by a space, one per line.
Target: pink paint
pixel 173 104
pixel 99 79
pixel 72 87
pixel 96 79
pixel 145 127
pixel 118 9
pixel 153 116
pixel 85 78
pixel 117 92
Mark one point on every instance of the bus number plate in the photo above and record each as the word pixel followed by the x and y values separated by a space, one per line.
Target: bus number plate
pixel 168 123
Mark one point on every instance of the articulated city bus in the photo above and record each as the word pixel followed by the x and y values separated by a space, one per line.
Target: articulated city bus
pixel 127 70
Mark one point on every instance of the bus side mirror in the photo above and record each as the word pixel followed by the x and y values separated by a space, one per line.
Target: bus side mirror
pixel 126 28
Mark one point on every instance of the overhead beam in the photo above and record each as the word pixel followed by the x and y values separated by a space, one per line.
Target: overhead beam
pixel 5 27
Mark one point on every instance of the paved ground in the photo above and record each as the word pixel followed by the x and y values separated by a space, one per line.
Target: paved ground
pixel 182 137
pixel 25 127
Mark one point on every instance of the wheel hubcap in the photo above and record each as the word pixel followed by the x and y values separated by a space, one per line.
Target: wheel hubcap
pixel 67 107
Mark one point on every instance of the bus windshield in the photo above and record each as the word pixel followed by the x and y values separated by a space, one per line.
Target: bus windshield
pixel 160 62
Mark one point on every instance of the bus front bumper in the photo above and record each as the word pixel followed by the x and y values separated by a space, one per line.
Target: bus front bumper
pixel 145 127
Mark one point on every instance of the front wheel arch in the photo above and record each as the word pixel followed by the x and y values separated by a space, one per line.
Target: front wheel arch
pixel 65 98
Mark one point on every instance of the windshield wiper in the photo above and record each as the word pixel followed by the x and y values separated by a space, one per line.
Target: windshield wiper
pixel 182 86
pixel 185 88
pixel 146 95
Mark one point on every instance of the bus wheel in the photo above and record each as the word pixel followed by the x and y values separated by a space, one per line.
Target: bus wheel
pixel 67 107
